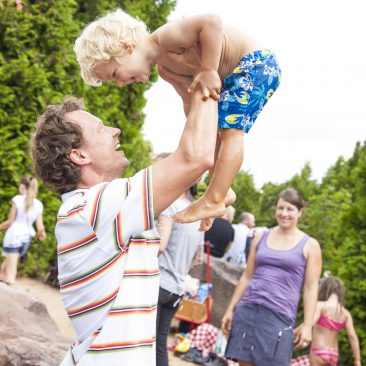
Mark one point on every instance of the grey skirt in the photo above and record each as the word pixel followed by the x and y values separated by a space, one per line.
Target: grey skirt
pixel 260 335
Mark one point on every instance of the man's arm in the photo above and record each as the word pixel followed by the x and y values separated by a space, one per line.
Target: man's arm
pixel 195 152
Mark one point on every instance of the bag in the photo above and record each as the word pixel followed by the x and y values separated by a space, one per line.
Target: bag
pixel 193 311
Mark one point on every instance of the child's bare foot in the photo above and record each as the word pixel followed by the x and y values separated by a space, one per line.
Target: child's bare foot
pixel 201 209
pixel 230 197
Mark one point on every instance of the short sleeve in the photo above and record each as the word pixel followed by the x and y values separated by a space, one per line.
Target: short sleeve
pixel 122 205
pixel 39 207
pixel 17 199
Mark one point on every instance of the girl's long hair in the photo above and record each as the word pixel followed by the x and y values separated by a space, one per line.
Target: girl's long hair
pixel 32 189
pixel 331 285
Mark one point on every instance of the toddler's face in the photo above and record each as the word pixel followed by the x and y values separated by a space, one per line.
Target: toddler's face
pixel 132 68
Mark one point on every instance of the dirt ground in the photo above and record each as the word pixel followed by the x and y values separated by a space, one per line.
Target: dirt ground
pixel 51 298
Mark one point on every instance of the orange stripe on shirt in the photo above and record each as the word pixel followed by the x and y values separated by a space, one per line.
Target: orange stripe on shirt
pixel 93 274
pixel 101 346
pixel 70 214
pixel 86 308
pixel 95 207
pixel 77 244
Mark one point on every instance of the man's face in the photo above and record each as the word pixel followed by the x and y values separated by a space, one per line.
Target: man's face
pixel 132 68
pixel 101 146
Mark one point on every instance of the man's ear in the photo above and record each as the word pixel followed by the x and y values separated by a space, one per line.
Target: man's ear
pixel 78 157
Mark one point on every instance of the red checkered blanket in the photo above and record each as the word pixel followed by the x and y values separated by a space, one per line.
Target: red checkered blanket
pixel 203 337
pixel 301 361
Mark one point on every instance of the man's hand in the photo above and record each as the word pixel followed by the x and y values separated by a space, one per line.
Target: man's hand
pixel 209 82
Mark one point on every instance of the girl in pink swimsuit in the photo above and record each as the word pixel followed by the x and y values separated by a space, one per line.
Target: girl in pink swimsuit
pixel 329 319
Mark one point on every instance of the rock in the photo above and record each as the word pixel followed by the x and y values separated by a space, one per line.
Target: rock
pixel 28 336
pixel 224 278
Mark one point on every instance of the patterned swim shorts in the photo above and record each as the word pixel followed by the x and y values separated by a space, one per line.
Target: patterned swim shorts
pixel 247 89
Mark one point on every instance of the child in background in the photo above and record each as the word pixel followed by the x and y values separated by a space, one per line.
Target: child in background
pixel 329 319
pixel 228 65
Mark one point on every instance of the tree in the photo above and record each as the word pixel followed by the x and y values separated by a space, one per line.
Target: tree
pixel 247 196
pixel 37 68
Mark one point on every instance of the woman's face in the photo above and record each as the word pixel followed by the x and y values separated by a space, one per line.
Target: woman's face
pixel 287 214
pixel 22 189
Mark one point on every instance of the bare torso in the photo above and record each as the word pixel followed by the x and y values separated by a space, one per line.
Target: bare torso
pixel 235 44
pixel 326 337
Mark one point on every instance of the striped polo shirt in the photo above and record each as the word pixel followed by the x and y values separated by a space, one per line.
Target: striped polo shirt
pixel 108 271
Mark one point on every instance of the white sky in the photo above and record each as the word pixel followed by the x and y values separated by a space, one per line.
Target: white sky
pixel 319 111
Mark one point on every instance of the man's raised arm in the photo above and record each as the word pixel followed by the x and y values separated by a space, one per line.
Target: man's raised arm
pixel 195 152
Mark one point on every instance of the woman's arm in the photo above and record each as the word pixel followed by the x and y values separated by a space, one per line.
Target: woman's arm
pixel 313 254
pixel 165 225
pixel 353 339
pixel 241 287
pixel 13 211
pixel 41 233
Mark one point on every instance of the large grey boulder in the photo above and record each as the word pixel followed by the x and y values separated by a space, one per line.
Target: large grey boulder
pixel 28 336
pixel 224 278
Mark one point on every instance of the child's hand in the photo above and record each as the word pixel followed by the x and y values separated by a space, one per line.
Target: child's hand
pixel 209 82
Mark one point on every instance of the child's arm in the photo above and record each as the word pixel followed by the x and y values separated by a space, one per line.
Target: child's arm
pixel 208 31
pixel 353 339
pixel 41 233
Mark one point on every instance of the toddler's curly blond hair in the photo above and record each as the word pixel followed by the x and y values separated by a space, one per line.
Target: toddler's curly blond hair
pixel 104 39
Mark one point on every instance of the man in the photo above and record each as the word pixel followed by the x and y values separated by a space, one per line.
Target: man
pixel 221 233
pixel 107 242
pixel 243 230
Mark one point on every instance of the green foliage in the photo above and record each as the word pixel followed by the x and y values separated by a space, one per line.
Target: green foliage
pixel 37 68
pixel 248 196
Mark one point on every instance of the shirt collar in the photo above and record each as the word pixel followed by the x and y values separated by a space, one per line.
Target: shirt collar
pixel 67 195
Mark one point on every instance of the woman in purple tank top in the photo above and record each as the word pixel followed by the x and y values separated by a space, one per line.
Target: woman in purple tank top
pixel 282 262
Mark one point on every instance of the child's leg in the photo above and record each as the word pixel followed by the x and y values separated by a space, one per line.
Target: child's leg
pixel 228 163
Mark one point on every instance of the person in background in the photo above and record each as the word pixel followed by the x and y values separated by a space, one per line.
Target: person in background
pixel 262 312
pixel 221 234
pixel 330 318
pixel 25 210
pixel 178 246
pixel 244 229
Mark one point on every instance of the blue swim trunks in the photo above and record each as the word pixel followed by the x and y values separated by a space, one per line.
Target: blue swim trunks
pixel 247 90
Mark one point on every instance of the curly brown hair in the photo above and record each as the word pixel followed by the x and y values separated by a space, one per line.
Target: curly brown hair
pixel 51 144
